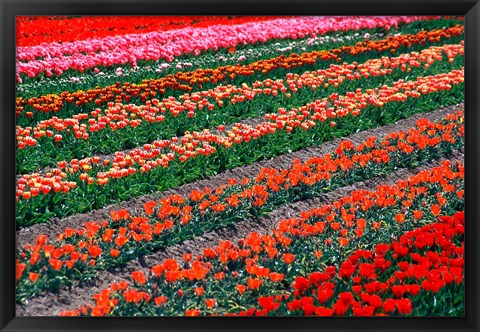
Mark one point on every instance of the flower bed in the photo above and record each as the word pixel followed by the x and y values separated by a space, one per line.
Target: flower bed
pixel 120 121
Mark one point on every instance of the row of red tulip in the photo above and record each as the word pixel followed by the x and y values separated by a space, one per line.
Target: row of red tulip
pixel 35 30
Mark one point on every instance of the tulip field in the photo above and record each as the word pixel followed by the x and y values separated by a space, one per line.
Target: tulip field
pixel 240 166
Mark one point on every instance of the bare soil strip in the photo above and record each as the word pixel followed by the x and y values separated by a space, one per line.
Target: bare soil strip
pixel 135 205
pixel 50 304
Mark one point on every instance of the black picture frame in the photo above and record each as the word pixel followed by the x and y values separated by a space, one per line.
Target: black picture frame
pixel 10 8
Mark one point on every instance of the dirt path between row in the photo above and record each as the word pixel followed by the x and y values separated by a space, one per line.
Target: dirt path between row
pixel 135 205
pixel 50 304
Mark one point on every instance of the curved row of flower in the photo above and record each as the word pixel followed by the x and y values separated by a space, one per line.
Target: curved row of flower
pixel 277 274
pixel 100 245
pixel 109 51
pixel 82 125
pixel 150 89
pixel 153 159
pixel 33 31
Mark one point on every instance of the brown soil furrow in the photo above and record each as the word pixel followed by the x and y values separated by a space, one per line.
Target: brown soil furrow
pixel 68 299
pixel 135 205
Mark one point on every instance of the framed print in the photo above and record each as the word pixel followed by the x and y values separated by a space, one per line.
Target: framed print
pixel 239 166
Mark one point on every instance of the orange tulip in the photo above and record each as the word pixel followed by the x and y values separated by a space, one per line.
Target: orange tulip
pixel 400 217
pixel 33 276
